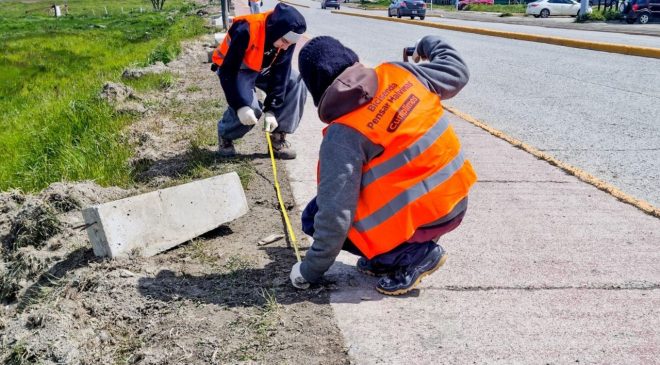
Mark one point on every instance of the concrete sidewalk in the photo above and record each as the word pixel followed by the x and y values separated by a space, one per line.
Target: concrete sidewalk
pixel 544 269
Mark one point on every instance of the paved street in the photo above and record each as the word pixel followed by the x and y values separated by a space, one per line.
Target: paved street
pixel 594 36
pixel 545 268
pixel 528 27
pixel 597 111
pixel 652 28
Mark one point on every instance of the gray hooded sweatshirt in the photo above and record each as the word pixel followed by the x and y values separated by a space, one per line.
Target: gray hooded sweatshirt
pixel 344 150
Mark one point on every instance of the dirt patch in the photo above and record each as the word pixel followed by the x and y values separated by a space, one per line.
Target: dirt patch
pixel 219 299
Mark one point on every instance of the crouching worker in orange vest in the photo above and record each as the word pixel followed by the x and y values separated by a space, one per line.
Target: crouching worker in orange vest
pixel 392 177
pixel 257 52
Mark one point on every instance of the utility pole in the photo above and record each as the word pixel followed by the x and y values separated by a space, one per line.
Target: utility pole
pixel 224 6
pixel 584 4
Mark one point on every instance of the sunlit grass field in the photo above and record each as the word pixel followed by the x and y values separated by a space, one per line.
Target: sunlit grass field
pixel 53 126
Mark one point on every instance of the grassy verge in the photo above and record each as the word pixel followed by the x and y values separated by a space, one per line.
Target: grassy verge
pixel 511 9
pixel 384 4
pixel 599 16
pixel 150 82
pixel 374 5
pixel 54 127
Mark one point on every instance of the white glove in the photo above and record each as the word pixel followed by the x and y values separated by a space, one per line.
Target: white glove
pixel 296 277
pixel 246 116
pixel 270 122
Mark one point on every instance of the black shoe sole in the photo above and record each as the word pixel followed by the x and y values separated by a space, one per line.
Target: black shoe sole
pixel 279 156
pixel 221 153
pixel 419 279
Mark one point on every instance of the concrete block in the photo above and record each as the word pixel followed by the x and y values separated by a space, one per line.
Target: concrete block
pixel 218 38
pixel 157 221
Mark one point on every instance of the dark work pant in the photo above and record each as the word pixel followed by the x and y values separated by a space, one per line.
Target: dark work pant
pixel 405 254
pixel 288 114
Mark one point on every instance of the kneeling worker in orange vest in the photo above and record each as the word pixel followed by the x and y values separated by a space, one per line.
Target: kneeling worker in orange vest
pixel 392 177
pixel 257 52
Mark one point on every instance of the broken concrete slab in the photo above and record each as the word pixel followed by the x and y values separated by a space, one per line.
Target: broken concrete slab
pixel 150 223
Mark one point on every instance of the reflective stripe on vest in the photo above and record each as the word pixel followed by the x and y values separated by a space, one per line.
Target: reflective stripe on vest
pixel 255 51
pixel 421 174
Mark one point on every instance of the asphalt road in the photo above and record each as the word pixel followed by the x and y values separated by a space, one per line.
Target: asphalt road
pixel 527 26
pixel 597 111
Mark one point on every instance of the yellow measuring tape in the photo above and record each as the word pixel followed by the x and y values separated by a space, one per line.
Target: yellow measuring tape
pixel 279 198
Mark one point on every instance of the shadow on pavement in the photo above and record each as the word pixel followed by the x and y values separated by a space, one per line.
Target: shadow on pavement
pixel 246 287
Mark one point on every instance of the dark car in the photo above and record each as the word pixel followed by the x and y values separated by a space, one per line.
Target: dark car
pixel 642 11
pixel 411 8
pixel 330 4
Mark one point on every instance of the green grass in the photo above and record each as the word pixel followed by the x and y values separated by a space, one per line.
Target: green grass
pixel 375 5
pixel 443 7
pixel 150 82
pixel 53 125
pixel 20 354
pixel 519 8
pixel 384 4
pixel 599 16
pixel 15 8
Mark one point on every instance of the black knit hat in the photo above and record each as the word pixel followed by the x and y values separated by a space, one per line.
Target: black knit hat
pixel 320 61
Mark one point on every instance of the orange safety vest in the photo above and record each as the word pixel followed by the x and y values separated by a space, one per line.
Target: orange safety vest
pixel 421 174
pixel 255 51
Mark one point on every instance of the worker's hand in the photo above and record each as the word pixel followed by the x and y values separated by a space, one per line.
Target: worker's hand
pixel 270 122
pixel 416 57
pixel 296 277
pixel 246 116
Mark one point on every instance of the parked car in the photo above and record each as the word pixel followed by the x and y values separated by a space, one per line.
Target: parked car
pixel 330 4
pixel 411 8
pixel 642 11
pixel 546 8
pixel 463 3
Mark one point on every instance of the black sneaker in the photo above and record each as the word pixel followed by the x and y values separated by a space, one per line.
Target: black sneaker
pixel 407 278
pixel 364 266
pixel 226 148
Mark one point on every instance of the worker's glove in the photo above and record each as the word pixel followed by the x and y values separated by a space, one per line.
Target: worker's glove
pixel 296 277
pixel 246 116
pixel 270 122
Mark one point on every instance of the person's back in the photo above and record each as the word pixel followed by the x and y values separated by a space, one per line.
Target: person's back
pixel 392 178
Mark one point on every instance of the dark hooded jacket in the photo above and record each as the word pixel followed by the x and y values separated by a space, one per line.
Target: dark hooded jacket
pixel 238 83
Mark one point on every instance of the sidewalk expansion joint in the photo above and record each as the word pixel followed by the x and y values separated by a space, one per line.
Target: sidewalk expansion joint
pixel 628 286
pixel 600 149
pixel 523 181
